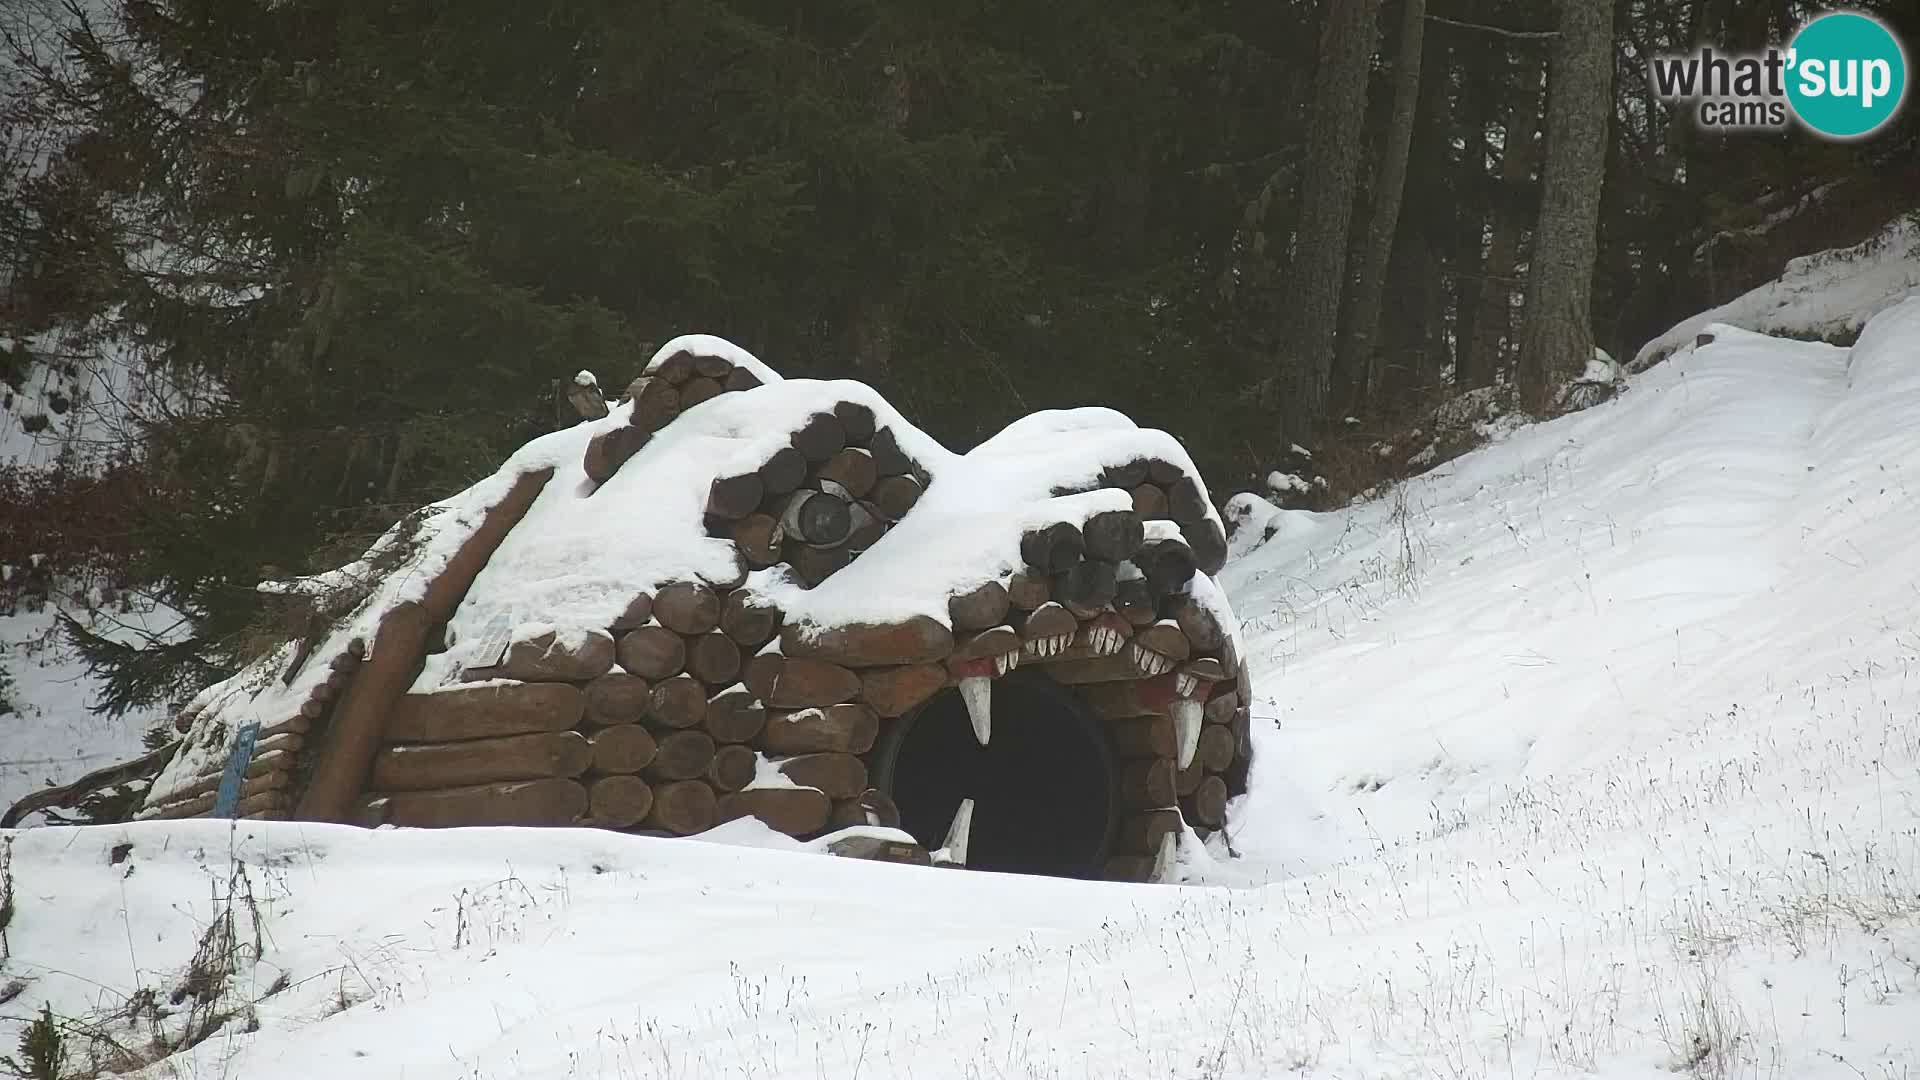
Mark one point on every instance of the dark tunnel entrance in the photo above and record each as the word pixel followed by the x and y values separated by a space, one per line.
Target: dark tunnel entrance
pixel 1044 789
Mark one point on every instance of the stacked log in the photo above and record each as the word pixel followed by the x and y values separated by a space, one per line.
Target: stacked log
pixel 267 782
pixel 815 504
pixel 668 388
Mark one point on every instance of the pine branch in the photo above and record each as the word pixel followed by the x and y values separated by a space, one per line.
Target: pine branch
pixel 1501 30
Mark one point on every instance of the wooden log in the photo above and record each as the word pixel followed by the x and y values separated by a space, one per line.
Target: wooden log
pixel 484 712
pixel 816 518
pixel 856 420
pixel 784 682
pixel 733 767
pixel 420 766
pixel 1053 548
pixel 915 640
pixel 749 619
pixel 1141 833
pixel 893 691
pixel 734 716
pixel 674 369
pixel 888 458
pixel 1120 698
pixel 618 802
pixel 740 379
pixel 679 702
pixel 794 811
pixel 683 807
pixel 1149 502
pixel 1126 475
pixel 683 755
pixel 1221 705
pixel 813 565
pixel 1187 780
pixel 1163 472
pixel 262 803
pixel 1146 737
pixel 1120 667
pixel 869 525
pixel 1113 535
pixel 852 469
pixel 638 612
pixel 1086 587
pixel 893 496
pixel 978 608
pixel 1168 566
pixel 652 652
pixel 1208 804
pixel 1132 868
pixel 731 498
pixel 841 729
pixel 839 776
pixel 558 655
pixel 1043 626
pixel 1208 539
pixel 820 437
pixel 713 658
pixel 986 644
pixel 617 698
pixel 1026 592
pixel 623 748
pixel 1199 623
pixel 687 607
pixel 1134 601
pixel 610 449
pixel 1216 749
pixel 1147 784
pixel 698 389
pixel 712 367
pixel 1205 670
pixel 870 807
pixel 354 735
pixel 784 470
pixel 1159 648
pixel 655 403
pixel 266 772
pixel 518 802
pixel 1186 502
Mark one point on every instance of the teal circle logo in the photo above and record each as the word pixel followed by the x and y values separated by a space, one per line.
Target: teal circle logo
pixel 1846 75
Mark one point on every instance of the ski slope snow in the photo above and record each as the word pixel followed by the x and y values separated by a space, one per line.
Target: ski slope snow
pixel 1595 752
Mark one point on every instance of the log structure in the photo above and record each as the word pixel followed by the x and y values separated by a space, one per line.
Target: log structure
pixel 1087 660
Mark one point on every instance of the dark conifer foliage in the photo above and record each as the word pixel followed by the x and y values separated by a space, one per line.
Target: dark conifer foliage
pixel 367 240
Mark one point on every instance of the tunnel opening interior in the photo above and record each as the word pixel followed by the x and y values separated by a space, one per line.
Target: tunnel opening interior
pixel 1044 789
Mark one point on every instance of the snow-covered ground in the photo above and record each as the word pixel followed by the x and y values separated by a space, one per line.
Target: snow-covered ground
pixel 1594 752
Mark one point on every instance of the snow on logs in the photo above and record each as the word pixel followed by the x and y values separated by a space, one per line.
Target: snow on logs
pixel 818 502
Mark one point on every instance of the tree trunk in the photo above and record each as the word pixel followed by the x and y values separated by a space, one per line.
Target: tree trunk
pixel 1359 353
pixel 1493 319
pixel 1556 334
pixel 1318 269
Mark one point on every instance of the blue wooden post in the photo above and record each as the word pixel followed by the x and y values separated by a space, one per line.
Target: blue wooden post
pixel 228 800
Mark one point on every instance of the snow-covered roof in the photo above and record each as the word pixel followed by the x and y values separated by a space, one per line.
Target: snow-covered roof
pixel 585 549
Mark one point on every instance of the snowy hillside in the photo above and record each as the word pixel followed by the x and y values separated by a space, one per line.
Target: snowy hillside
pixel 78 415
pixel 1596 752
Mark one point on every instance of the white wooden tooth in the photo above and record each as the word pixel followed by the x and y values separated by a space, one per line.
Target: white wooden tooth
pixel 977 692
pixel 955 849
pixel 1188 716
pixel 1163 860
